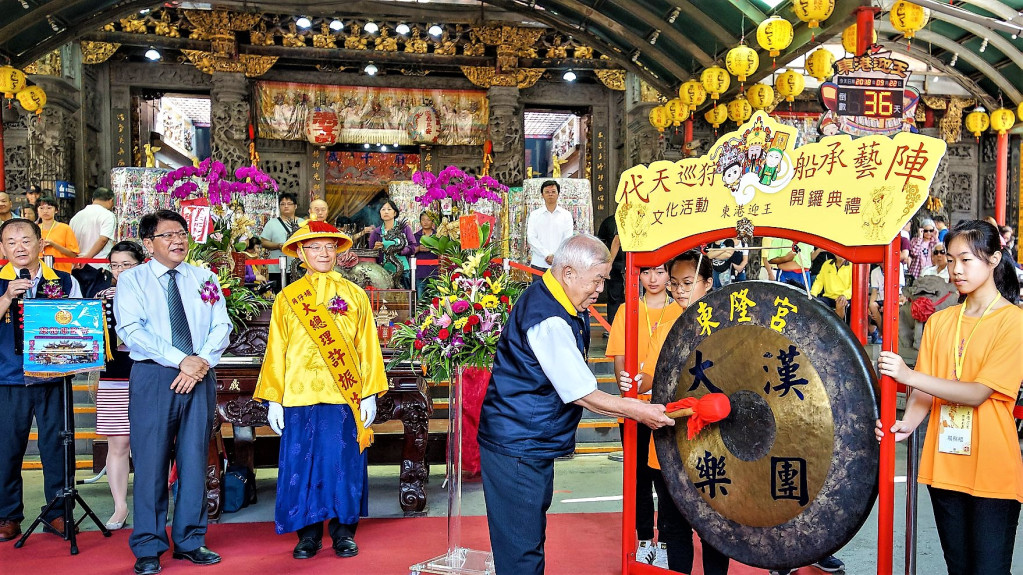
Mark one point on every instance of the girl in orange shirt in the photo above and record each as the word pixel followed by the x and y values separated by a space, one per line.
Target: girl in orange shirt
pixel 657 312
pixel 967 377
pixel 58 239
pixel 691 277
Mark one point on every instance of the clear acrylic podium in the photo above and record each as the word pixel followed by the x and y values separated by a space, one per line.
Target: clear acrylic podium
pixel 458 560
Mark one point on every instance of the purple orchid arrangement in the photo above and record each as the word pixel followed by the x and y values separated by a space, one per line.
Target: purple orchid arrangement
pixel 51 290
pixel 460 187
pixel 210 292
pixel 187 181
pixel 337 306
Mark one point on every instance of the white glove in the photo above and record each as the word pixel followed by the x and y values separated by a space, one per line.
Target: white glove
pixel 275 415
pixel 368 410
pixel 625 382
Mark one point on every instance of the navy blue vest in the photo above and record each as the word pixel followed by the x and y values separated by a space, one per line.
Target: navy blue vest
pixel 12 368
pixel 523 415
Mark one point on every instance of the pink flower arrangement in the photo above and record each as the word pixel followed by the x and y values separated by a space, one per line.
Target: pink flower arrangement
pixel 51 290
pixel 452 183
pixel 210 292
pixel 185 182
pixel 337 306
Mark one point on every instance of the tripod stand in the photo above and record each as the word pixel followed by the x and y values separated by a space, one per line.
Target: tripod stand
pixel 68 496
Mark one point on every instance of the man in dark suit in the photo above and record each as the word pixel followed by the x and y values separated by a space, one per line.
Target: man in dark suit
pixel 173 319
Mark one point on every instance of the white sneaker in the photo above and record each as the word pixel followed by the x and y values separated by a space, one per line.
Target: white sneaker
pixel 646 552
pixel 662 556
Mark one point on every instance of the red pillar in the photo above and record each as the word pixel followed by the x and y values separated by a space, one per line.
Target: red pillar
pixel 886 468
pixel 865 28
pixel 3 175
pixel 1001 174
pixel 858 305
pixel 629 440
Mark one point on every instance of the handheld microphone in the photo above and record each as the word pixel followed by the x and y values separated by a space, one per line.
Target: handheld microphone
pixel 25 275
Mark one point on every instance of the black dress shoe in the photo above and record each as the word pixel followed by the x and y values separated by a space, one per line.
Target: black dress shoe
pixel 147 566
pixel 200 556
pixel 346 547
pixel 306 548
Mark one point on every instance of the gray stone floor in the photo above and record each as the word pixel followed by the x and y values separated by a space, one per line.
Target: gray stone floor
pixel 595 480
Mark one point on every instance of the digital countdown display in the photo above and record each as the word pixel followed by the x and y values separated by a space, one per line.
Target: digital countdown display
pixel 869 97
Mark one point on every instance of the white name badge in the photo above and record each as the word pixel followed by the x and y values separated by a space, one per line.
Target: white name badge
pixel 955 429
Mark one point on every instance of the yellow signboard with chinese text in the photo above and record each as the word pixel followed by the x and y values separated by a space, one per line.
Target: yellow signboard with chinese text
pixel 854 192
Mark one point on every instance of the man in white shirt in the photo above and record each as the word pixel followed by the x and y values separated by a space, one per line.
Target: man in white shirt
pixel 95 227
pixel 547 227
pixel 277 231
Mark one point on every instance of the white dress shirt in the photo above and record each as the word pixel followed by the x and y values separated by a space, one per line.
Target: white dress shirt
pixel 143 316
pixel 553 344
pixel 545 230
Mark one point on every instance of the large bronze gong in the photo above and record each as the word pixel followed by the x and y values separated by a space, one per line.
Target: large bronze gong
pixel 791 474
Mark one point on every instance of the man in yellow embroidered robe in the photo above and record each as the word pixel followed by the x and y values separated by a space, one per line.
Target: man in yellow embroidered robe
pixel 321 374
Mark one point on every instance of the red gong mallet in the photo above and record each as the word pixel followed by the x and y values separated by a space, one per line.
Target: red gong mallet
pixel 710 408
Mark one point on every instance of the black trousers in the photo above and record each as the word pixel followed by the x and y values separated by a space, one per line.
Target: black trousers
pixel 336 528
pixel 644 483
pixel 18 404
pixel 674 531
pixel 91 280
pixel 518 492
pixel 976 533
pixel 162 421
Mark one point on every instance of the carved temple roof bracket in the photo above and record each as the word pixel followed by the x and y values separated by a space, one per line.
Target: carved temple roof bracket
pixel 219 27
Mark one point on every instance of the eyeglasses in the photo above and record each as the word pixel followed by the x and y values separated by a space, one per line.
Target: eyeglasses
pixel 172 235
pixel 939 252
pixel 121 267
pixel 317 248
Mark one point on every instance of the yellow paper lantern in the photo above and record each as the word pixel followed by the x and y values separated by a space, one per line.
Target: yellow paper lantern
pixel 659 118
pixel 813 11
pixel 742 61
pixel 820 64
pixel 12 81
pixel 739 110
pixel 1019 111
pixel 760 96
pixel 976 122
pixel 677 111
pixel 716 115
pixel 908 18
pixel 774 35
pixel 789 84
pixel 849 39
pixel 693 94
pixel 32 99
pixel 1002 120
pixel 715 80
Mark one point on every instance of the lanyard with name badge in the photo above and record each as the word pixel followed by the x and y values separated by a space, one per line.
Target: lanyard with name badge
pixel 956 421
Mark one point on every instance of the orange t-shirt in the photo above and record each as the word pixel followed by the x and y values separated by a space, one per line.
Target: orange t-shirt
pixel 653 328
pixel 60 234
pixel 994 469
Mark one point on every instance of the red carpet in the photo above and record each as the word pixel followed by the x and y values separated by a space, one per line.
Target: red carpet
pixel 577 544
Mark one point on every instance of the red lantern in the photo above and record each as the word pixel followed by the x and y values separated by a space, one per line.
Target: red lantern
pixel 423 125
pixel 322 126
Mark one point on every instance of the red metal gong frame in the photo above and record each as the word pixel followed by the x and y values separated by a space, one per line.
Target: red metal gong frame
pixel 859 255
